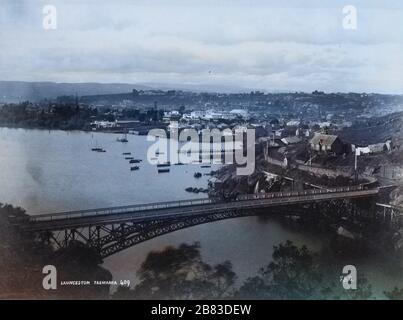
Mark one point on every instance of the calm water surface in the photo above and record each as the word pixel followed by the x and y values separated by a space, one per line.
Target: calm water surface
pixel 51 171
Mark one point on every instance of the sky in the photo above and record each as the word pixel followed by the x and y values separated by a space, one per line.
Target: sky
pixel 231 45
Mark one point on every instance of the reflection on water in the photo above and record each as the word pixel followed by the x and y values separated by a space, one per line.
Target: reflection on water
pixel 44 171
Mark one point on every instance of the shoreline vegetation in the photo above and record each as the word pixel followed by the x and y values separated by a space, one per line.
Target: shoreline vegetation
pixel 295 272
pixel 61 116
pixel 72 116
pixel 24 255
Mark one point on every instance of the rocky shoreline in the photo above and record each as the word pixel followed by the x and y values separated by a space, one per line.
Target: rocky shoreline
pixel 347 221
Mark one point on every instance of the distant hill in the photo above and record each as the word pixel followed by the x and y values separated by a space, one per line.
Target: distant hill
pixel 376 130
pixel 15 91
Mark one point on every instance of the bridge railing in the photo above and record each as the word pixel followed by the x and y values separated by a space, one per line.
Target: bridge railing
pixel 299 193
pixel 182 203
pixel 120 209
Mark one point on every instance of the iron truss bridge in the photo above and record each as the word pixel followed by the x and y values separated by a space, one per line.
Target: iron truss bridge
pixel 110 230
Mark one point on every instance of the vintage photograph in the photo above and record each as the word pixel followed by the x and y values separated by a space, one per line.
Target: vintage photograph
pixel 201 150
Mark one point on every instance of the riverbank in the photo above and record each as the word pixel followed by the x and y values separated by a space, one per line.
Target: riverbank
pixel 348 219
pixel 22 277
pixel 24 256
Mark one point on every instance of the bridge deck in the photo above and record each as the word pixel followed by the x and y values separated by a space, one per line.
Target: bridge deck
pixel 184 209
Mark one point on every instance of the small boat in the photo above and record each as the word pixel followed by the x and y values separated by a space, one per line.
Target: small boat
pixel 123 139
pixel 135 161
pixel 126 153
pixel 134 168
pixel 129 158
pixel 206 166
pixel 163 170
pixel 168 164
pixel 97 148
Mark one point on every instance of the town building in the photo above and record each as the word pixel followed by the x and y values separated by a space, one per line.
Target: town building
pixel 326 143
pixel 103 124
pixel 291 140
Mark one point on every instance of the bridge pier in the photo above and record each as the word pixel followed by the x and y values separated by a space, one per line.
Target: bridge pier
pixel 389 213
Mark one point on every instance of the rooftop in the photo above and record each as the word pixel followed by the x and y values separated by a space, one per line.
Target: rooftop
pixel 324 139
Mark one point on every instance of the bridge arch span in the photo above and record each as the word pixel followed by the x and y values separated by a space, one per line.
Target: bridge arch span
pixel 111 230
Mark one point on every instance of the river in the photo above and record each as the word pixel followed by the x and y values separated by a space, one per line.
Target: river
pixel 51 171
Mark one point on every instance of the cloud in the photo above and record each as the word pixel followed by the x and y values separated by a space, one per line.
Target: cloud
pixel 250 44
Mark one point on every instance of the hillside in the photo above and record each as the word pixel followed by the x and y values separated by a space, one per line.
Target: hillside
pixel 16 91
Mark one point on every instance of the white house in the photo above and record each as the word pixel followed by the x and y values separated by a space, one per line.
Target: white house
pixel 293 123
pixel 103 124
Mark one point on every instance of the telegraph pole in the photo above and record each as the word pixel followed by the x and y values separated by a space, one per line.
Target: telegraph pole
pixel 355 166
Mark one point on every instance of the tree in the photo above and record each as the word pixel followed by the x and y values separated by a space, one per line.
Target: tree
pixel 395 294
pixel 291 275
pixel 295 273
pixel 180 273
pixel 334 291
